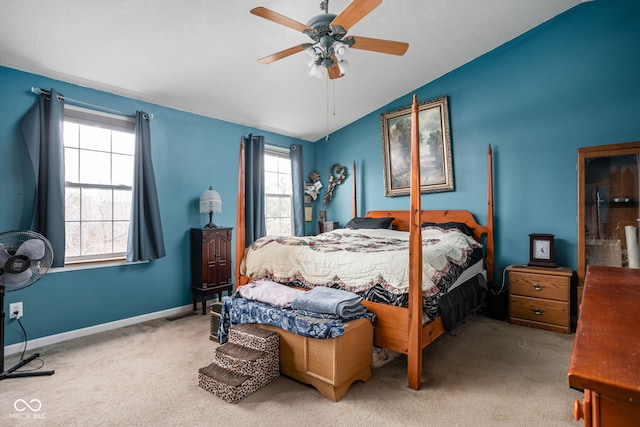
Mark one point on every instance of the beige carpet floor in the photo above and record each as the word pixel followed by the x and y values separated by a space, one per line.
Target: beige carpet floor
pixel 487 373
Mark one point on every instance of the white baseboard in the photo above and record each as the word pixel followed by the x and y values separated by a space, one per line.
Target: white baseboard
pixel 57 338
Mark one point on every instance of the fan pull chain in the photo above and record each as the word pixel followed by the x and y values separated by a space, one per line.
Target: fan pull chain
pixel 327 105
pixel 333 86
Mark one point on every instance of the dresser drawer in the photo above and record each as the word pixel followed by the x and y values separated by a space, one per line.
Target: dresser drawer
pixel 540 310
pixel 539 286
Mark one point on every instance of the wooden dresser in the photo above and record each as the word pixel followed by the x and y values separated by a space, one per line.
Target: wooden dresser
pixel 539 297
pixel 605 361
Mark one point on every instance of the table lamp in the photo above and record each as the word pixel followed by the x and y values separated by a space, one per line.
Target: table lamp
pixel 210 202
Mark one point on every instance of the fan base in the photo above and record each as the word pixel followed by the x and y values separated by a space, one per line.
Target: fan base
pixel 10 373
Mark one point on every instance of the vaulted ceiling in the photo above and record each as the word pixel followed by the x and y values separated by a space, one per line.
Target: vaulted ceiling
pixel 201 55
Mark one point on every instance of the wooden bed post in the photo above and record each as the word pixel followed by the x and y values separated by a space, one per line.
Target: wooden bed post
pixel 354 201
pixel 414 350
pixel 240 227
pixel 489 248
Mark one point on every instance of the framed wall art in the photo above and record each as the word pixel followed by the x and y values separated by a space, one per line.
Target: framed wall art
pixel 436 166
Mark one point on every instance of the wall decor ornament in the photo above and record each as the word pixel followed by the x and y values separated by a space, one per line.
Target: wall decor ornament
pixel 337 174
pixel 436 166
pixel 312 189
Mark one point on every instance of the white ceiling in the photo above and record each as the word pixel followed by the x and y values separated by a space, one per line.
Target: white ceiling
pixel 201 55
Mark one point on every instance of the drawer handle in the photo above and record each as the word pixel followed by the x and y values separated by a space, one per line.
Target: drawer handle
pixel 537 287
pixel 537 311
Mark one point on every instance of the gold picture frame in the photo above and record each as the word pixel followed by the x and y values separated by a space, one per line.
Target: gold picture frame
pixel 436 165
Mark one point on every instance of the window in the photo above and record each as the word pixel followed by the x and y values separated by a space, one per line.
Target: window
pixel 278 191
pixel 98 156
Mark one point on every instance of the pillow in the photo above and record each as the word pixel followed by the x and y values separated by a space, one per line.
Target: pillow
pixel 460 226
pixel 360 222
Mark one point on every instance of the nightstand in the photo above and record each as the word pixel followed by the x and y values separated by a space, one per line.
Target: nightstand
pixel 539 297
pixel 324 226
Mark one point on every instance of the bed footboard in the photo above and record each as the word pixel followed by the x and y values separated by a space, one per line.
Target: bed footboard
pixel 392 323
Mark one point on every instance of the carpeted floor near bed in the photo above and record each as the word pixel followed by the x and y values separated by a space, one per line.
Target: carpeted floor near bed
pixel 488 373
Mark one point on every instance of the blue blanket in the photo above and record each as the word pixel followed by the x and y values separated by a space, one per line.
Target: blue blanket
pixel 322 299
pixel 309 324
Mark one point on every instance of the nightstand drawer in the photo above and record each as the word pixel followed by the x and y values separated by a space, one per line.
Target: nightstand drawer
pixel 540 310
pixel 539 286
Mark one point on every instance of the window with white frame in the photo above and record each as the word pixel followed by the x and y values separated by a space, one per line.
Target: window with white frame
pixel 98 157
pixel 278 191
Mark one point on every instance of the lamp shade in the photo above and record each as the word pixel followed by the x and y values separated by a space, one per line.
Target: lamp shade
pixel 210 201
pixel 315 71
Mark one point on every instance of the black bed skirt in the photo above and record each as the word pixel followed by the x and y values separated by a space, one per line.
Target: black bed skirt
pixel 463 300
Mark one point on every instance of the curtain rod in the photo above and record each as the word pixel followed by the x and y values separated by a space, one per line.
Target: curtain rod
pixel 39 91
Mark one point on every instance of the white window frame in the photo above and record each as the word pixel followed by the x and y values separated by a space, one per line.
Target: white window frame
pixel 285 154
pixel 113 122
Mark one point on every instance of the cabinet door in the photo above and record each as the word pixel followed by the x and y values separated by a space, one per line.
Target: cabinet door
pixel 210 259
pixel 223 259
pixel 607 206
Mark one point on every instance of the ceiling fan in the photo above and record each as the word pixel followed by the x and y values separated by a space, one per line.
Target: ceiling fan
pixel 329 35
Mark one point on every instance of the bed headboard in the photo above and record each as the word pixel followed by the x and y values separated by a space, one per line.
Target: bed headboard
pixel 401 221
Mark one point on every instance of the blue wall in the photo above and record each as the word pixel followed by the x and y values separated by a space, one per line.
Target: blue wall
pixel 571 82
pixel 190 153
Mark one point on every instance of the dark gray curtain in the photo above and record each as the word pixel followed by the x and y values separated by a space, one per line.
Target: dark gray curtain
pixel 145 231
pixel 255 226
pixel 297 178
pixel 42 129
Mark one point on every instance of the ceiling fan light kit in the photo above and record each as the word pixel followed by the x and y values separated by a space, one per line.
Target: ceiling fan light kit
pixel 330 40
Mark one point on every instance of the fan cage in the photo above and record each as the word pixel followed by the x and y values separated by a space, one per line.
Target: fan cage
pixel 12 240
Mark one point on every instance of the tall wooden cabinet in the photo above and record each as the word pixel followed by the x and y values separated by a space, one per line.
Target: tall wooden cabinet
pixel 210 251
pixel 607 203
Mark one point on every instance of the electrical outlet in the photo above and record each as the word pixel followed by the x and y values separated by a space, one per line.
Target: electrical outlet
pixel 14 308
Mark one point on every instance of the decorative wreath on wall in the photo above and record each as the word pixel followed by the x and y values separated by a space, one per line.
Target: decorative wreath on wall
pixel 337 174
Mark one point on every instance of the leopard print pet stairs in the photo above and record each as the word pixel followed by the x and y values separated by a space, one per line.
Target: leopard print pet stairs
pixel 248 361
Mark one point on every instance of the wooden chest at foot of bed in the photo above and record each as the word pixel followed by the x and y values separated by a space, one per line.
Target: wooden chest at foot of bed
pixel 329 365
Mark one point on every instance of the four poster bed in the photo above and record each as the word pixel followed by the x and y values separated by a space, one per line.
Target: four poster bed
pixel 403 327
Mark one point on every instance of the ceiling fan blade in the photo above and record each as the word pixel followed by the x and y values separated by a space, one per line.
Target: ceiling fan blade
pixel 381 46
pixel 334 71
pixel 270 15
pixel 354 12
pixel 282 54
